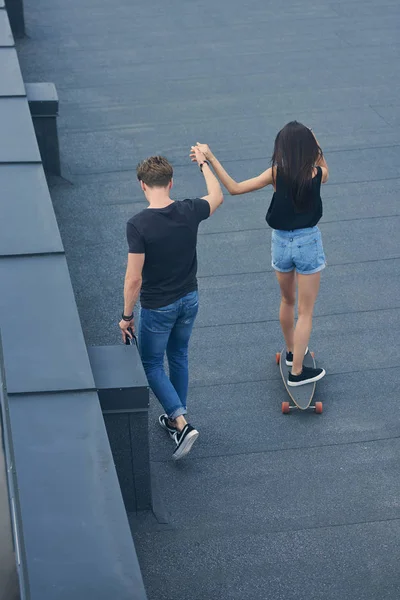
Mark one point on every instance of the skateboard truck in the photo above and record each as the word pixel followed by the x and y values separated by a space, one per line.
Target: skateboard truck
pixel 287 407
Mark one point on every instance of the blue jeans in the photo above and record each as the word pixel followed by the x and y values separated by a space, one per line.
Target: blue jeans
pixel 168 329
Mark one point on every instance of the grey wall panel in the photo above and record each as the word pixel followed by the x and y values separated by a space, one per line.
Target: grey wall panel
pixel 17 140
pixel 28 224
pixel 77 535
pixel 8 571
pixel 14 583
pixel 44 348
pixel 11 83
pixel 6 37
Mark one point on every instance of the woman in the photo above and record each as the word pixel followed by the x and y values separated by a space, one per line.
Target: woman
pixel 298 168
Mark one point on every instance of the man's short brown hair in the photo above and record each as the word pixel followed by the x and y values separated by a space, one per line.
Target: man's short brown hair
pixel 155 171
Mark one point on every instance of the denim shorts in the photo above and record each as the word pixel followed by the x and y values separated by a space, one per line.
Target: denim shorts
pixel 300 249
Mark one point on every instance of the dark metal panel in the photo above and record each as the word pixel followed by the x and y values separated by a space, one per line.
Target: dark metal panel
pixel 28 224
pixel 11 82
pixel 6 37
pixel 77 536
pixel 17 140
pixel 15 9
pixel 44 348
pixel 119 436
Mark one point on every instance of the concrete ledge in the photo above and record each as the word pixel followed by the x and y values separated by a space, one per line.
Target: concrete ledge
pixel 77 536
pixel 124 398
pixel 17 140
pixel 44 347
pixel 27 209
pixel 11 83
pixel 14 583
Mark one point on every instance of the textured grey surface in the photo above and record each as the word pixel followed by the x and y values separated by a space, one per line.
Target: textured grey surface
pixel 343 561
pixel 267 506
pixel 18 141
pixel 27 209
pixel 11 83
pixel 51 357
pixel 68 484
pixel 348 416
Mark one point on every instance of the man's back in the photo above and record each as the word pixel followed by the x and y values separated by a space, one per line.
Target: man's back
pixel 168 238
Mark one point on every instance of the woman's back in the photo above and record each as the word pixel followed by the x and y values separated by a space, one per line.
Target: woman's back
pixel 284 215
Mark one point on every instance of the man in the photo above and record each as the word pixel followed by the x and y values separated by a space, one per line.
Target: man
pixel 162 266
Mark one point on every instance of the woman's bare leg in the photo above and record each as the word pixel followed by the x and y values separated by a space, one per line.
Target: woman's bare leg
pixel 308 287
pixel 287 283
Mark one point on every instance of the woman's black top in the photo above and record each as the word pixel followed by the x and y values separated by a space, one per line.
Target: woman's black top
pixel 282 213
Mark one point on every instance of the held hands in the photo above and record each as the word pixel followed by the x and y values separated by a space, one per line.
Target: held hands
pixel 200 151
pixel 197 156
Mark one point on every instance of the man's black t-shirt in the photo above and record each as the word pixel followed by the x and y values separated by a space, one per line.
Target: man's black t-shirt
pixel 168 238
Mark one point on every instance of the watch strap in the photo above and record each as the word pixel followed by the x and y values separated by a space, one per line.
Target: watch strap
pixel 205 162
pixel 127 317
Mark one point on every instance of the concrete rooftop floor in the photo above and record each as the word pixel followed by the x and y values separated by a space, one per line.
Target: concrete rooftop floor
pixel 266 506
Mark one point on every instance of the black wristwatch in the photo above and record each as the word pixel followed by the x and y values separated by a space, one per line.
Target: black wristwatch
pixel 201 165
pixel 127 317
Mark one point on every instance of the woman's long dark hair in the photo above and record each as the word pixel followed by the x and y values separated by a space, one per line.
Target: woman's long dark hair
pixel 296 152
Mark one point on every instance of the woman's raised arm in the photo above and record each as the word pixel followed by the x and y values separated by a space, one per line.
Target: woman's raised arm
pixel 234 187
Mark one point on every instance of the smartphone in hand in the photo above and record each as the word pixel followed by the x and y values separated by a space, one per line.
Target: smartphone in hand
pixel 129 341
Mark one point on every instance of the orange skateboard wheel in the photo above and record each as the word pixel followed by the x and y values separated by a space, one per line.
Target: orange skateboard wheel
pixel 312 354
pixel 285 408
pixel 278 358
pixel 318 407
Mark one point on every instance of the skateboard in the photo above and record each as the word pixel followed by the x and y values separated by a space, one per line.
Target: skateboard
pixel 302 395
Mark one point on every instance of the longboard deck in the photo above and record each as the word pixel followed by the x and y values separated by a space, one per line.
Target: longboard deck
pixel 301 395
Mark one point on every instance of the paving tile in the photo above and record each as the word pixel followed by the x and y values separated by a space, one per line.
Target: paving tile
pixel 238 353
pixel 352 241
pixel 286 490
pixel 341 202
pixel 125 147
pixel 328 563
pixel 358 409
pixel 391 114
pixel 182 104
pixel 252 298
